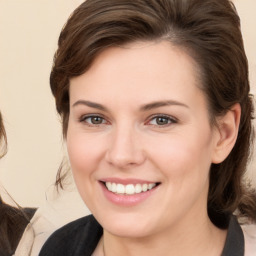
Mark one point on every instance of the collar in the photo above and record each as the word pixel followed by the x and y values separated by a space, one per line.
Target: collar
pixel 234 244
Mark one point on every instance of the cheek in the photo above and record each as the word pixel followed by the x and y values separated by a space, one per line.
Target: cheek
pixel 84 153
pixel 180 156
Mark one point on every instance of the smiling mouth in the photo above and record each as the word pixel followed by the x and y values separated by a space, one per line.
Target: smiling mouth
pixel 129 189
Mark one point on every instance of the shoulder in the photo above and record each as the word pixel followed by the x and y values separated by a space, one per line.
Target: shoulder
pixel 30 212
pixel 13 222
pixel 241 239
pixel 249 232
pixel 75 238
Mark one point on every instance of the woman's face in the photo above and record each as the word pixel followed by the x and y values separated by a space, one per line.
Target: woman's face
pixel 139 139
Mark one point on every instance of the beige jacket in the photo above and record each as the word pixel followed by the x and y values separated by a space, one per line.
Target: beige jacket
pixel 57 211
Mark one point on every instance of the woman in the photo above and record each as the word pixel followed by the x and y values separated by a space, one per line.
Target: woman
pixel 12 220
pixel 156 112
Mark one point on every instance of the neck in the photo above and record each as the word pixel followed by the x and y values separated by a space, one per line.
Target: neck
pixel 199 238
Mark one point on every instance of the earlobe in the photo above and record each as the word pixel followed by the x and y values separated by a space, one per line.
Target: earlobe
pixel 227 129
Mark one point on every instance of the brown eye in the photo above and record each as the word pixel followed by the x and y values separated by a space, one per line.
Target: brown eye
pixel 96 120
pixel 93 120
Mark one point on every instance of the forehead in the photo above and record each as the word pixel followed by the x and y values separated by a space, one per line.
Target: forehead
pixel 150 69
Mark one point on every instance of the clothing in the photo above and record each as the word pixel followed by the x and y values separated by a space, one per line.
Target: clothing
pixel 58 209
pixel 249 231
pixel 13 221
pixel 80 238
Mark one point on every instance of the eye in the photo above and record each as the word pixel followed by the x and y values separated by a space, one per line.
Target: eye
pixel 161 120
pixel 93 120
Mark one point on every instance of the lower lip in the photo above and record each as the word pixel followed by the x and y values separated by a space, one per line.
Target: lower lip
pixel 127 200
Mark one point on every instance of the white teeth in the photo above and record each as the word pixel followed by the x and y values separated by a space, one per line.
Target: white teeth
pixel 120 188
pixel 144 187
pixel 129 189
pixel 113 187
pixel 138 188
pixel 108 185
pixel 151 185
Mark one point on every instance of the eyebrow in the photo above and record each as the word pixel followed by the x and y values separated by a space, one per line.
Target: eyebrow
pixel 146 107
pixel 90 104
pixel 159 104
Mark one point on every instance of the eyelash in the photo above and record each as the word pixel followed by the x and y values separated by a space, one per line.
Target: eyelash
pixel 82 119
pixel 170 120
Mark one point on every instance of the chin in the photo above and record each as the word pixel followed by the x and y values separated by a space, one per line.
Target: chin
pixel 128 231
pixel 127 225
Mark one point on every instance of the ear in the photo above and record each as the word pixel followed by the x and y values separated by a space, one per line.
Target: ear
pixel 227 131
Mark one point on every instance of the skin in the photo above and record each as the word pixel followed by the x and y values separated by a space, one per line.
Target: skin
pixel 127 141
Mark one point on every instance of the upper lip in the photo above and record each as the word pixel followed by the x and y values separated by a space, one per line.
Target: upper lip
pixel 127 181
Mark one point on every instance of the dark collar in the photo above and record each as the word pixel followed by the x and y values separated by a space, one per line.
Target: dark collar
pixel 234 245
pixel 80 238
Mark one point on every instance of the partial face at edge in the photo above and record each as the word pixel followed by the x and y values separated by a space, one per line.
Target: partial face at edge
pixel 137 116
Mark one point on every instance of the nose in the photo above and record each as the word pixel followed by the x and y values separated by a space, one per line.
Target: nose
pixel 125 149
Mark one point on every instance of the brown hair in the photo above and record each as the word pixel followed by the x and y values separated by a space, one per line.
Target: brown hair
pixel 13 220
pixel 3 138
pixel 209 30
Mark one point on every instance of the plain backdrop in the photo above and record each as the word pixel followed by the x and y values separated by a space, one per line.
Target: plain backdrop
pixel 29 31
